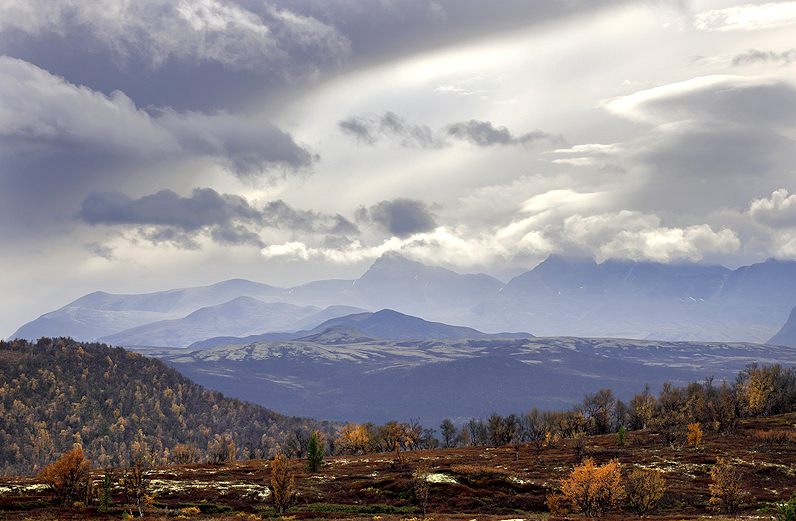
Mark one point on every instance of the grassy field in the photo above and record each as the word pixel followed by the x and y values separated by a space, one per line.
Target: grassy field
pixel 488 483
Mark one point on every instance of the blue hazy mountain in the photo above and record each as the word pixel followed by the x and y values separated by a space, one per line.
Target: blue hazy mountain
pixel 560 296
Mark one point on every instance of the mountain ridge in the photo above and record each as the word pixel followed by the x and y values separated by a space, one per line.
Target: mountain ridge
pixel 560 296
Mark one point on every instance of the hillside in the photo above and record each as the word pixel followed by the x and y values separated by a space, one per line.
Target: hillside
pixel 59 392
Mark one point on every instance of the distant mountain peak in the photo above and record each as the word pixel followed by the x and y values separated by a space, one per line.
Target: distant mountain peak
pixel 338 335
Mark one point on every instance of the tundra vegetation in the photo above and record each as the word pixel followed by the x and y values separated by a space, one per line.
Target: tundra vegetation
pixel 161 446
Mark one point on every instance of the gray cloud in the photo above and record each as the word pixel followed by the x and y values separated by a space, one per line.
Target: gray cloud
pixel 484 134
pixel 400 217
pixel 753 56
pixel 713 142
pixel 226 219
pixel 199 30
pixel 45 113
pixel 370 129
pixel 99 250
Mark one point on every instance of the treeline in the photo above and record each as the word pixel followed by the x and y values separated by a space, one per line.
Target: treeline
pixel 756 391
pixel 57 393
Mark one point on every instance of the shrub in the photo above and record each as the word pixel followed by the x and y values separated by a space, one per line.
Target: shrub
pixel 644 489
pixel 69 479
pixel 787 511
pixel 694 435
pixel 282 493
pixel 594 490
pixel 725 489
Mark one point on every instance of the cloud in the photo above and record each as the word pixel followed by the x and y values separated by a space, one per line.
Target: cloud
pixel 43 113
pixel 400 217
pixel 753 56
pixel 155 31
pixel 747 17
pixel 484 134
pixel 711 141
pixel 720 98
pixel 224 218
pixel 99 250
pixel 636 236
pixel 777 211
pixel 371 129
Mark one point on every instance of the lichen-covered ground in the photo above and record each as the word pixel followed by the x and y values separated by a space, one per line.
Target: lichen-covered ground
pixel 484 483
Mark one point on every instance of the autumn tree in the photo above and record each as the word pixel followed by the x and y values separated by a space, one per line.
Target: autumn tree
pixel 136 482
pixel 282 494
pixel 69 479
pixel 599 409
pixel 421 485
pixel 644 488
pixel 397 436
pixel 449 432
pixel 355 439
pixel 221 449
pixel 642 409
pixel 725 487
pixel 594 490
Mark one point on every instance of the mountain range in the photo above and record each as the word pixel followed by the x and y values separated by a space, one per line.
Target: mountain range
pixel 559 297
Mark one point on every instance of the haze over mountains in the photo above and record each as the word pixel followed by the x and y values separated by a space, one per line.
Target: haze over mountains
pixel 560 297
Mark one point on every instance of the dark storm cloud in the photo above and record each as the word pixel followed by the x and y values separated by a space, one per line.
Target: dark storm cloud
pixel 227 219
pixel 369 129
pixel 484 134
pixel 401 217
pixel 753 56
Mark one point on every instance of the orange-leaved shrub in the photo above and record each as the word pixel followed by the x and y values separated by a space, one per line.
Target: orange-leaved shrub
pixel 594 490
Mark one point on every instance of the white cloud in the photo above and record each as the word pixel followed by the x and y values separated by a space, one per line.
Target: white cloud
pixel 747 17
pixel 777 211
pixel 640 237
pixel 697 99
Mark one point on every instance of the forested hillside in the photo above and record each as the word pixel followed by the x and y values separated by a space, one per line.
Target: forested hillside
pixel 58 392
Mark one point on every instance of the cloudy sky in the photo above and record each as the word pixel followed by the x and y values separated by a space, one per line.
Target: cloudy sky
pixel 155 144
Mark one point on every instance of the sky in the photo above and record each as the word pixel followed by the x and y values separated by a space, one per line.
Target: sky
pixel 153 144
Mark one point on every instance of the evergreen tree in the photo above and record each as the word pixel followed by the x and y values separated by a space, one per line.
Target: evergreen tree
pixel 315 452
